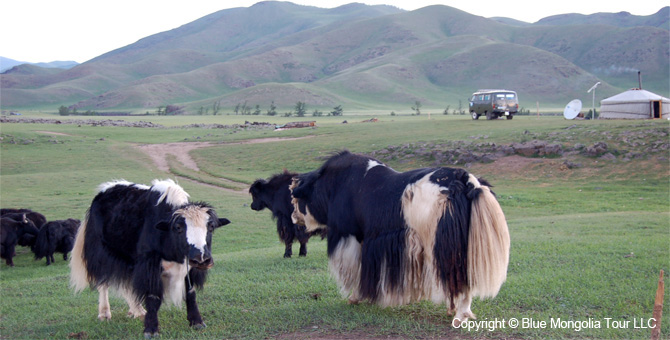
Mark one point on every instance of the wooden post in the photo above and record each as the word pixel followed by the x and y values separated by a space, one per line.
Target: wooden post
pixel 658 308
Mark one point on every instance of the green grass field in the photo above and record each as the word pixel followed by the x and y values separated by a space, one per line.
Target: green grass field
pixel 588 243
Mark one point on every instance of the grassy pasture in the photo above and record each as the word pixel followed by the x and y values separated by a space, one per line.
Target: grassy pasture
pixel 587 243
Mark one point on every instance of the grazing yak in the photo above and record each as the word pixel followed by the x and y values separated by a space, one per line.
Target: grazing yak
pixel 275 195
pixel 55 236
pixel 148 243
pixel 13 229
pixel 434 234
pixel 29 237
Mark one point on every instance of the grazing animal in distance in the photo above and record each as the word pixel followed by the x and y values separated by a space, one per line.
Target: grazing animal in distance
pixel 11 231
pixel 55 236
pixel 274 194
pixel 434 234
pixel 28 238
pixel 151 244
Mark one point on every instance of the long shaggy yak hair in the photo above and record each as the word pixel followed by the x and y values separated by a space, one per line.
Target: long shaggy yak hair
pixel 434 234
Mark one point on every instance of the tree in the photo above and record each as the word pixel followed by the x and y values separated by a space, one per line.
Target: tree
pixel 273 109
pixel 237 109
pixel 257 111
pixel 160 111
pixel 300 109
pixel 446 111
pixel 417 108
pixel 317 113
pixel 337 111
pixel 216 107
pixel 63 111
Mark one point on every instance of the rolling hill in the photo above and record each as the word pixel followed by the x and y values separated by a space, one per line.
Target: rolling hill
pixel 358 56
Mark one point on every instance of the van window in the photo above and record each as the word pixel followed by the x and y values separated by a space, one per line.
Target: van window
pixel 500 96
pixel 510 96
pixel 481 97
pixel 487 97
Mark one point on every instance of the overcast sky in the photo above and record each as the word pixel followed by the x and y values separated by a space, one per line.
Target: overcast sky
pixel 79 30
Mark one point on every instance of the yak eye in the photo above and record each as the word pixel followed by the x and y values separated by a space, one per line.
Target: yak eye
pixel 179 227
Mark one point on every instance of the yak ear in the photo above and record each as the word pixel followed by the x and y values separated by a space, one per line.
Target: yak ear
pixel 223 221
pixel 162 225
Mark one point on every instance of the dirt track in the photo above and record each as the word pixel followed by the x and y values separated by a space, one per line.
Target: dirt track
pixel 160 152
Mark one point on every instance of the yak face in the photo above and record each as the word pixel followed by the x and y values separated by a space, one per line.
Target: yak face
pixel 190 234
pixel 309 205
pixel 257 203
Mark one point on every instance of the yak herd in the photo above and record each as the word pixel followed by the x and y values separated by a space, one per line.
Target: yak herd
pixel 28 228
pixel 393 238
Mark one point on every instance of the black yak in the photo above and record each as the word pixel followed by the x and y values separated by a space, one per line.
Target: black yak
pixel 275 195
pixel 55 236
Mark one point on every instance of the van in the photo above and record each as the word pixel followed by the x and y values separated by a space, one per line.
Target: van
pixel 494 104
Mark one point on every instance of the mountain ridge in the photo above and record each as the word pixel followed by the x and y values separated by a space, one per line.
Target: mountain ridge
pixel 377 57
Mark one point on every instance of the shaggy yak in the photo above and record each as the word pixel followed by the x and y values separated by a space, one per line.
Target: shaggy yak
pixel 148 243
pixel 434 234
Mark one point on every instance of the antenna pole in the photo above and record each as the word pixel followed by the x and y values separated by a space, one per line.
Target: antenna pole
pixel 593 102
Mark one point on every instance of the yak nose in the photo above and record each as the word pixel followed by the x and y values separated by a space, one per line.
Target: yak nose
pixel 200 259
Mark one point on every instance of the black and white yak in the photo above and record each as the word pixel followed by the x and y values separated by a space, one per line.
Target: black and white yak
pixel 275 195
pixel 55 236
pixel 147 243
pixel 434 234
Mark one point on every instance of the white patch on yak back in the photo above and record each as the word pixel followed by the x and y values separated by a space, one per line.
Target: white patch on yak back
pixel 371 164
pixel 196 225
pixel 108 185
pixel 171 192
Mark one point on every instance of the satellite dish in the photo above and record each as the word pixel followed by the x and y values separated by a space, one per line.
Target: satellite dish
pixel 572 109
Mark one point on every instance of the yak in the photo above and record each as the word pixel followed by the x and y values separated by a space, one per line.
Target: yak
pixel 55 236
pixel 274 194
pixel 435 234
pixel 149 244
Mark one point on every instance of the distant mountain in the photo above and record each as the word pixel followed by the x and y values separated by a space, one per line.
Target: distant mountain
pixel 355 55
pixel 7 64
pixel 622 19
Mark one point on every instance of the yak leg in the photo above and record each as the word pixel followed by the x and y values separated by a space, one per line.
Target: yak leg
pixel 463 312
pixel 192 311
pixel 104 311
pixel 152 303
pixel 135 308
pixel 289 250
pixel 303 249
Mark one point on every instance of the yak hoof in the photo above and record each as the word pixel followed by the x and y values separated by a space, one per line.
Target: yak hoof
pixel 149 335
pixel 199 326
pixel 287 255
pixel 353 301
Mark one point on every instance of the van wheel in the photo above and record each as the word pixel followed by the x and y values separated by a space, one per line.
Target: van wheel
pixel 510 117
pixel 475 116
pixel 490 115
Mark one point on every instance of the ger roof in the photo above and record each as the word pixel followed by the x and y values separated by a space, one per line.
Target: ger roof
pixel 634 95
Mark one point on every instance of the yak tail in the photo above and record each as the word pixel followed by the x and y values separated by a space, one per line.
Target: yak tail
pixel 78 272
pixel 488 244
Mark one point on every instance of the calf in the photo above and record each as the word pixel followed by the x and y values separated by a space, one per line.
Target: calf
pixel 434 234
pixel 147 243
pixel 55 236
pixel 11 231
pixel 275 195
